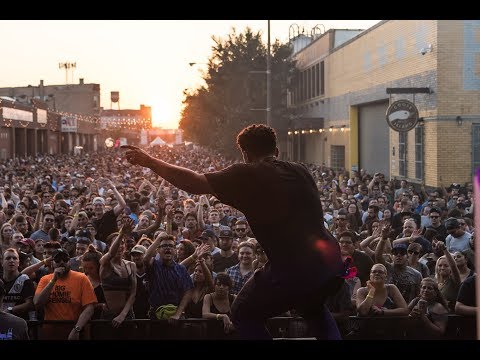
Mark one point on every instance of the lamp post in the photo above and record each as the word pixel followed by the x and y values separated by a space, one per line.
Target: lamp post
pixel 269 78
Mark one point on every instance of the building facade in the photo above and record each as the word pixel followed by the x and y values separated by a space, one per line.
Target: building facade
pixel 342 99
pixel 126 123
pixel 48 119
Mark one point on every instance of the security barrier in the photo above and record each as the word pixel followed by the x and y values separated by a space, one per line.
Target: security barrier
pixel 360 328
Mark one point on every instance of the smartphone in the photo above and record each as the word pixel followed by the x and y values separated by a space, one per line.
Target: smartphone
pixel 422 305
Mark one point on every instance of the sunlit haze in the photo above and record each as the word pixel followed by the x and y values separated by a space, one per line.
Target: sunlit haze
pixel 146 61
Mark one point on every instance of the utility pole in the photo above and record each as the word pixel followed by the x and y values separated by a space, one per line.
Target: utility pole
pixel 269 79
pixel 67 66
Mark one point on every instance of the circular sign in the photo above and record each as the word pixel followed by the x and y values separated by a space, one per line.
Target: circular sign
pixel 109 142
pixel 402 115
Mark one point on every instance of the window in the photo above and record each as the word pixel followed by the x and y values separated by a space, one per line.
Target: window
pixel 317 80
pixel 322 78
pixel 337 156
pixel 419 152
pixel 302 87
pixel 309 84
pixel 475 147
pixel 402 153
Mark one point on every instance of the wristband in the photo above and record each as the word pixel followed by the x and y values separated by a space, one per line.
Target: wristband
pixel 51 282
pixel 218 316
pixel 370 296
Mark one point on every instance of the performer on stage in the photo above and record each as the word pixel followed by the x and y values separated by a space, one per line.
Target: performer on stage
pixel 281 202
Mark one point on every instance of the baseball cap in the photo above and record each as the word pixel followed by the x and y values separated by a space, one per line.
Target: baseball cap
pixel 399 248
pixel 28 242
pixel 451 223
pixel 405 213
pixel 60 252
pixel 83 233
pixel 139 249
pixel 226 233
pixel 206 234
pixel 70 239
pixel 98 199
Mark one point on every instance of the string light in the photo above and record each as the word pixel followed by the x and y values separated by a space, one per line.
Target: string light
pixel 124 122
pixel 332 128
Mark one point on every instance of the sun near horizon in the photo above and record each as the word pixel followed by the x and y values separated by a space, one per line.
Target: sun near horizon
pixel 165 114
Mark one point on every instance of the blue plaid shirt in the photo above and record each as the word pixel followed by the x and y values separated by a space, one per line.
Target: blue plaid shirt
pixel 237 278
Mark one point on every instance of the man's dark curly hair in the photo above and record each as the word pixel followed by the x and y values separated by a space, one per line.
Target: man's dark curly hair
pixel 257 140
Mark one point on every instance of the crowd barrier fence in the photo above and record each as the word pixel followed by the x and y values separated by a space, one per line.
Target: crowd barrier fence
pixel 352 328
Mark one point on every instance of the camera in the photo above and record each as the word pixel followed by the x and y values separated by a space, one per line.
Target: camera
pixel 423 51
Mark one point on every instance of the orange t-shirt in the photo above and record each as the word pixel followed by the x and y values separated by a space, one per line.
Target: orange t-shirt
pixel 68 297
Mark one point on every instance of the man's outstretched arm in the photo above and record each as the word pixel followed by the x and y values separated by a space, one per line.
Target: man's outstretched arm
pixel 181 177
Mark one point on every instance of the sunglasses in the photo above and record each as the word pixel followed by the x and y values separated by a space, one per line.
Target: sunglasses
pixel 413 252
pixel 167 246
pixel 59 259
pixel 240 229
pixel 377 272
pixel 49 220
pixel 434 217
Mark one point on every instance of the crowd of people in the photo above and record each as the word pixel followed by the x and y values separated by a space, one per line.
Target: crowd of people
pixel 93 237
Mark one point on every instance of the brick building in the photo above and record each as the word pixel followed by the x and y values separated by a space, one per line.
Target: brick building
pixel 341 100
pixel 48 119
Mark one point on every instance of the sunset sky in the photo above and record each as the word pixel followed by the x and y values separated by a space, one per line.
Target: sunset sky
pixel 147 61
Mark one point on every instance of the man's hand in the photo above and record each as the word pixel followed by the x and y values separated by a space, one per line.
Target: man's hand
pixel 58 272
pixel 137 156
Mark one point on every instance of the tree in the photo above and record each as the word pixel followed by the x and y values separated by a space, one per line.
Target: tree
pixel 213 114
